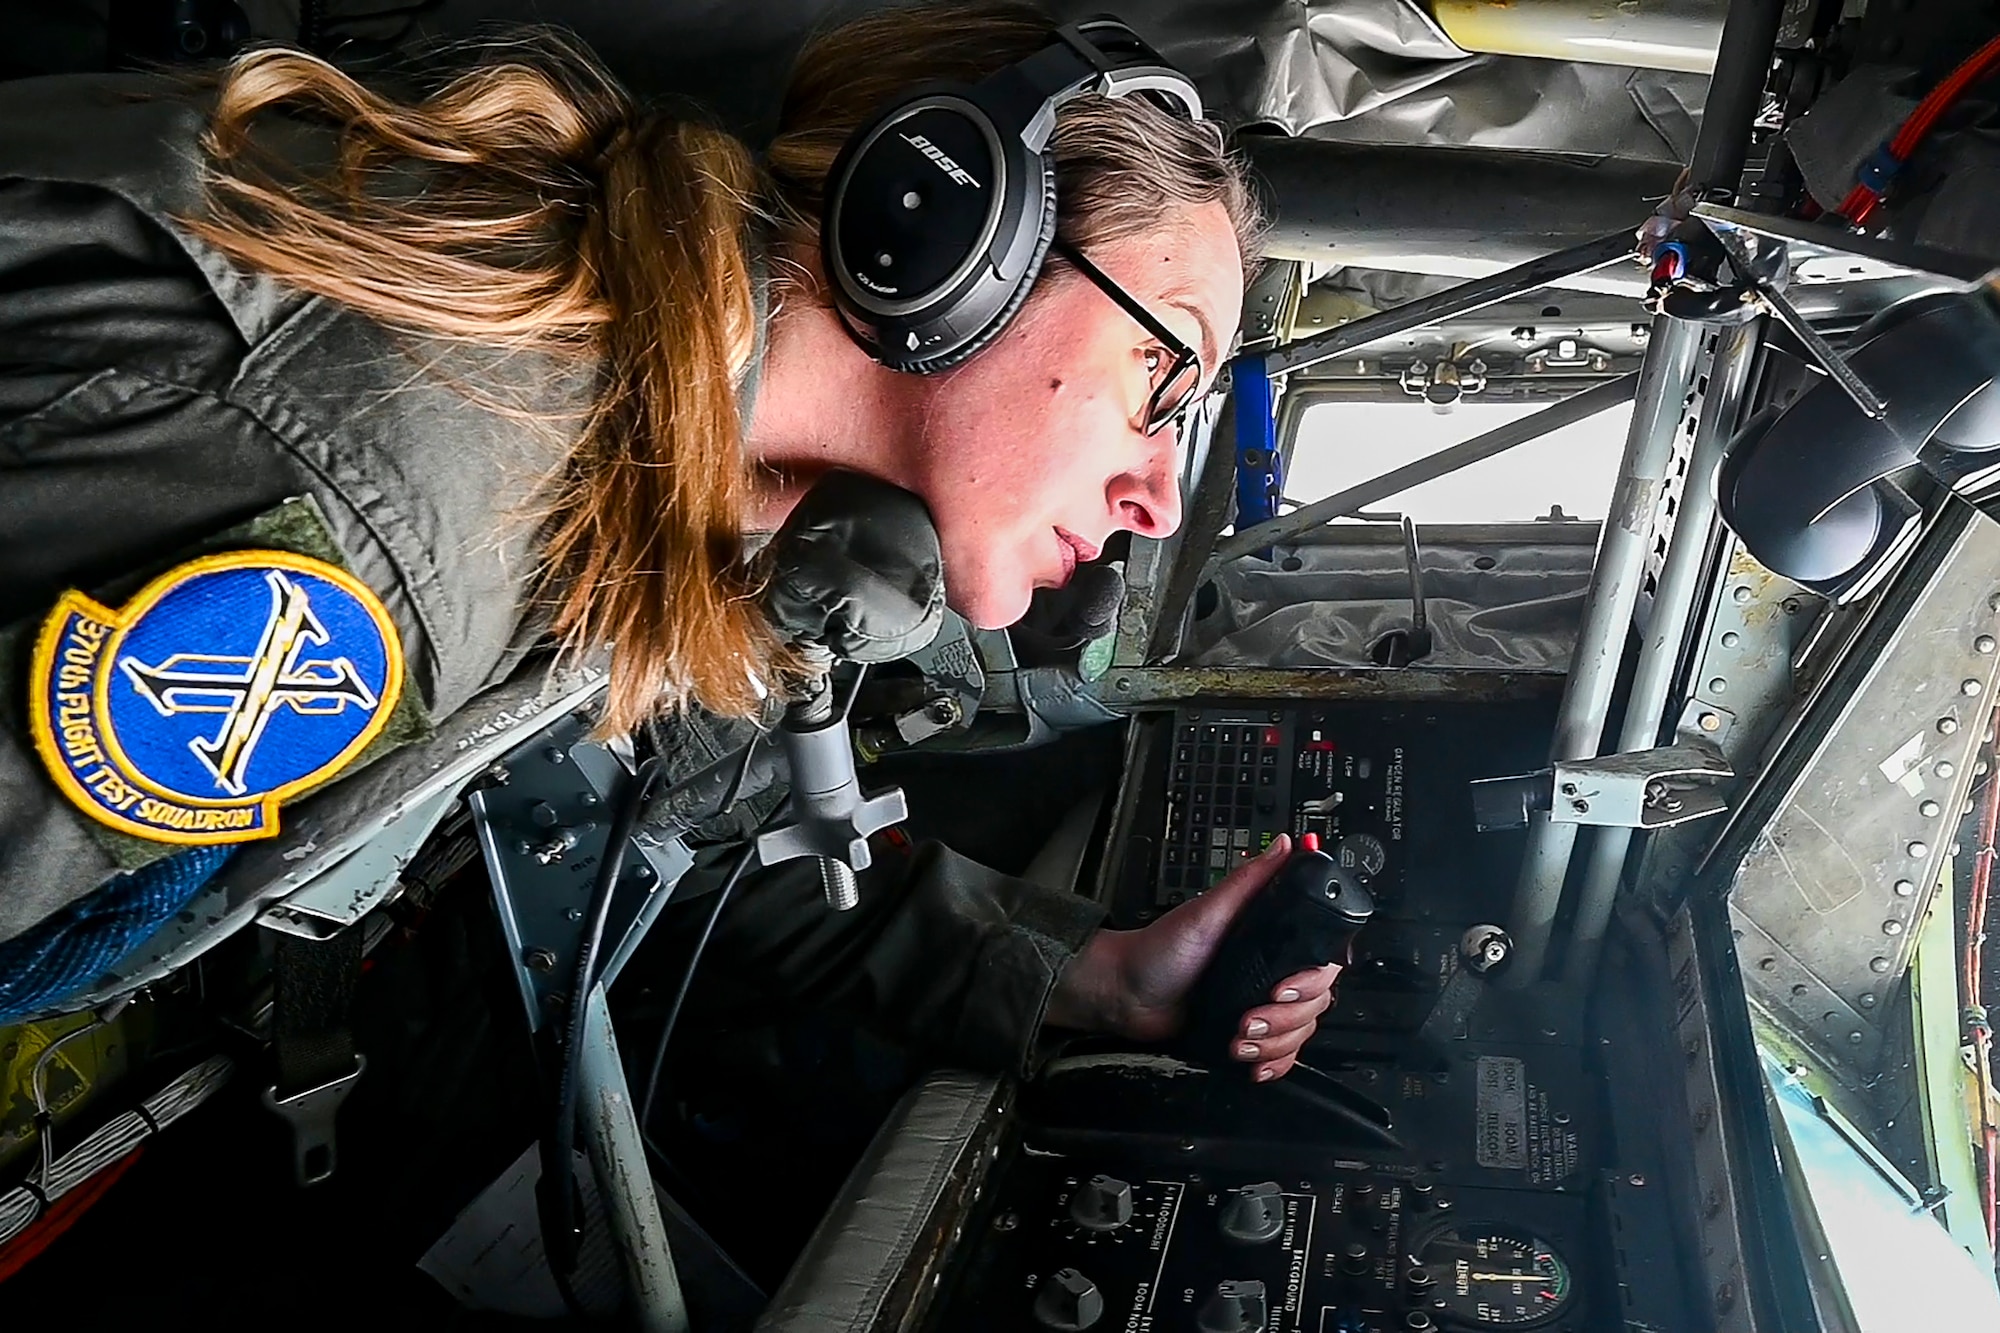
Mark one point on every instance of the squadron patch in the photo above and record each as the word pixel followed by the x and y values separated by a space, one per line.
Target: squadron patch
pixel 225 686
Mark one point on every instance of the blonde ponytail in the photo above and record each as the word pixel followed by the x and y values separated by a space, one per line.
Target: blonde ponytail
pixel 555 215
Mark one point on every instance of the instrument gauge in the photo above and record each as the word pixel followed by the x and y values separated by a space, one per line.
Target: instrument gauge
pixel 1492 1276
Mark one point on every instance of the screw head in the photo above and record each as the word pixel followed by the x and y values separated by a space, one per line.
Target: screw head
pixel 539 960
pixel 1710 721
pixel 1635 1179
pixel 1718 686
pixel 1740 593
pixel 1580 805
pixel 1006 1222
pixel 1969 687
pixel 1904 888
pixel 1892 927
pixel 1918 849
pixel 1929 809
pixel 1947 726
pixel 1731 639
pixel 1985 643
pixel 1945 768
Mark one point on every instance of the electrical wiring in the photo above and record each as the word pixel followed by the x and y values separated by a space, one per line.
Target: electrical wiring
pixel 556 1199
pixel 1881 167
pixel 1979 1027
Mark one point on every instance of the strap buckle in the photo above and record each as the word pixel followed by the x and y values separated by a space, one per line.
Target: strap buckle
pixel 311 1114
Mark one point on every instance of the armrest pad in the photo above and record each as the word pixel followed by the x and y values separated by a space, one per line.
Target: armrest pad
pixel 869 1265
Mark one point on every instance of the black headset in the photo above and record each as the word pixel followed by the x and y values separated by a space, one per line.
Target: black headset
pixel 940 210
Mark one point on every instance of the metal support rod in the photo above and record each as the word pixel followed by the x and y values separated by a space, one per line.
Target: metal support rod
pixel 1607 620
pixel 1681 579
pixel 1575 408
pixel 608 1126
pixel 1735 92
pixel 1459 300
pixel 1830 360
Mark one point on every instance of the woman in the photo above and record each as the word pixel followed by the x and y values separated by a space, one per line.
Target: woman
pixel 540 358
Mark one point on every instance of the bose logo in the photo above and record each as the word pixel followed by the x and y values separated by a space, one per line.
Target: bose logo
pixel 945 164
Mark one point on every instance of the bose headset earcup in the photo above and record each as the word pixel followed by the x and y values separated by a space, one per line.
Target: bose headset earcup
pixel 941 209
pixel 1004 316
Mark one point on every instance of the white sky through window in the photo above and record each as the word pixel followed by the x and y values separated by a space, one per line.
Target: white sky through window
pixel 1341 444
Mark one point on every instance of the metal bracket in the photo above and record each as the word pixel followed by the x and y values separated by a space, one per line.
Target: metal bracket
pixel 1643 789
pixel 542 829
pixel 312 1114
pixel 952 663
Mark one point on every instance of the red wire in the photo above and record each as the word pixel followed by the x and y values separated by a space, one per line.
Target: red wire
pixel 1861 201
pixel 1977 902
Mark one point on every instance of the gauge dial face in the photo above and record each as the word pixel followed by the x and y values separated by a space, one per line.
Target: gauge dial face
pixel 1361 854
pixel 1496 1276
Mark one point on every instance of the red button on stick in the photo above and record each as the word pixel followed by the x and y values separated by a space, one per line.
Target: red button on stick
pixel 1309 841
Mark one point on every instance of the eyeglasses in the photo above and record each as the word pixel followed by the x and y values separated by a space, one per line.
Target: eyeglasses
pixel 1174 391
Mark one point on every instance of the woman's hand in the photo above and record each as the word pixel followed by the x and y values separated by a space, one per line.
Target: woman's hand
pixel 1134 982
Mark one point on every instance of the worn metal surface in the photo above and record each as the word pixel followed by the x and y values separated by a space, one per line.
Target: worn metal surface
pixel 1131 689
pixel 1641 789
pixel 1615 581
pixel 608 1128
pixel 1637 34
pixel 326 828
pixel 1837 879
pixel 1738 692
pixel 361 883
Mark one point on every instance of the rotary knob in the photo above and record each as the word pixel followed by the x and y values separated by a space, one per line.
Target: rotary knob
pixel 1068 1302
pixel 1233 1307
pixel 1102 1203
pixel 1254 1214
pixel 1419 1283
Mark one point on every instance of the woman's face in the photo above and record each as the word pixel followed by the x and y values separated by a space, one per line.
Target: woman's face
pixel 1034 453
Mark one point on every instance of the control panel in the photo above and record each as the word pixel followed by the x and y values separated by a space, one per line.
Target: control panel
pixel 1340 1252
pixel 1238 777
pixel 1449 1154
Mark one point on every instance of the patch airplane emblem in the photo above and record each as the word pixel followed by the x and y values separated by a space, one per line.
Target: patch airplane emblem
pixel 226 686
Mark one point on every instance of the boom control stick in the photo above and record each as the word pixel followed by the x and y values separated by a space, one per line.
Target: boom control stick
pixel 857 573
pixel 1307 917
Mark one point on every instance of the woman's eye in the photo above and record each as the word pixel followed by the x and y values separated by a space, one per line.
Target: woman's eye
pixel 1154 360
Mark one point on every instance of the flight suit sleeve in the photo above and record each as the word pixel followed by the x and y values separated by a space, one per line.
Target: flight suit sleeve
pixel 115 450
pixel 943 955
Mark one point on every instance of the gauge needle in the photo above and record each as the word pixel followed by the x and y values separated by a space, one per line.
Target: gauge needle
pixel 1505 1277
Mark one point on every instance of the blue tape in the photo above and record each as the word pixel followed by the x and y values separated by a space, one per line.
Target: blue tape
pixel 1260 473
pixel 1880 168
